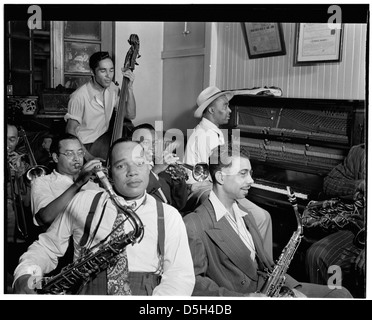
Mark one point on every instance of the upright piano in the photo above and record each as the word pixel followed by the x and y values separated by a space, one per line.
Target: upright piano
pixel 294 142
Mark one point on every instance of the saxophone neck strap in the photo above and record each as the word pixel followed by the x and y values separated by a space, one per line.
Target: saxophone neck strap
pixel 88 221
pixel 161 227
pixel 92 210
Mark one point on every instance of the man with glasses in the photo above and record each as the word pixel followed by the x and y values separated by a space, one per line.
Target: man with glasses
pixel 50 194
pixel 91 106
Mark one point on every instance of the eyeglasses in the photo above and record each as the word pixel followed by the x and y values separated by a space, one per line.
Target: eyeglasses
pixel 71 154
pixel 242 173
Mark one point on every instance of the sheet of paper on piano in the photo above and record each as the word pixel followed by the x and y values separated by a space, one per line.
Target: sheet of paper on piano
pixel 264 91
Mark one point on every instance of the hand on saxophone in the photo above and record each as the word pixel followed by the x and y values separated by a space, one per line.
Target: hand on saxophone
pixel 87 171
pixel 24 285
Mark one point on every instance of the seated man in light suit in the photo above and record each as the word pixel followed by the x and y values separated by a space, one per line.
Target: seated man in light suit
pixel 213 109
pixel 227 249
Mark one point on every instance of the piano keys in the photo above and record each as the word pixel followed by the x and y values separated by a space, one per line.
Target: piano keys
pixel 300 195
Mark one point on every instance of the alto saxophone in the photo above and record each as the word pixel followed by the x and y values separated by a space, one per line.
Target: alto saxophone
pixel 276 278
pixel 76 275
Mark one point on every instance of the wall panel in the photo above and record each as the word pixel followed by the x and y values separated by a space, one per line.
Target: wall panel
pixel 344 80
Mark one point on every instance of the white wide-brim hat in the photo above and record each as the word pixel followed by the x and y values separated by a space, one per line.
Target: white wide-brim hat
pixel 207 96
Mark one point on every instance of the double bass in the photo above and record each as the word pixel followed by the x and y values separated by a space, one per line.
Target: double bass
pixel 100 147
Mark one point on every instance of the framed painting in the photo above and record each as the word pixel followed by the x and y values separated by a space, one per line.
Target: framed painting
pixel 77 56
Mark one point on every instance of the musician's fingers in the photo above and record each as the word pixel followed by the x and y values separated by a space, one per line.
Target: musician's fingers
pixel 93 163
pixel 170 158
pixel 128 74
pixel 172 146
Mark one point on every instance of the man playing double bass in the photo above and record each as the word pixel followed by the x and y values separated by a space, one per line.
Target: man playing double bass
pixel 91 106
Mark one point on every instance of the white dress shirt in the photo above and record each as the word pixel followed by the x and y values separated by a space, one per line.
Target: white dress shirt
pixel 178 276
pixel 204 138
pixel 47 188
pixel 236 221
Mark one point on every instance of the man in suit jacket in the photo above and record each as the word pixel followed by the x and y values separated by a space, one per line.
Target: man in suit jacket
pixel 225 243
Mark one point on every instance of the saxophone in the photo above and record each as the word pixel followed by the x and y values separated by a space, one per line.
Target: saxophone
pixel 273 286
pixel 76 275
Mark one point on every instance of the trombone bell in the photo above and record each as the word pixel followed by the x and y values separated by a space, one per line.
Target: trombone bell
pixel 200 171
pixel 36 171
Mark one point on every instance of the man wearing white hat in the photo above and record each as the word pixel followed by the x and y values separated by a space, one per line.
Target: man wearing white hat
pixel 213 109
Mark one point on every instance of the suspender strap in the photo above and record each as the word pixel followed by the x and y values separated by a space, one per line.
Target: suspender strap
pixel 161 228
pixel 89 220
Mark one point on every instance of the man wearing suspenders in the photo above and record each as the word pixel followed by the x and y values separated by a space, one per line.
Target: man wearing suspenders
pixel 149 270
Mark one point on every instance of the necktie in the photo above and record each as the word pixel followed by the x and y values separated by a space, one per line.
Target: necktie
pixel 117 275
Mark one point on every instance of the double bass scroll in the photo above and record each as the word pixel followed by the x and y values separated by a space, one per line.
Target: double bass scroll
pixel 129 64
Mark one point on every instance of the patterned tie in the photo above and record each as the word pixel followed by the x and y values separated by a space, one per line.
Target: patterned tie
pixel 117 274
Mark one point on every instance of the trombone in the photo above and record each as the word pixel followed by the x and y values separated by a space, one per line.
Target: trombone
pixel 35 170
pixel 17 203
pixel 200 171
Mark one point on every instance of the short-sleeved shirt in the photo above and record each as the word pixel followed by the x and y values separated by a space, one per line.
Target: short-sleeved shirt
pixel 47 188
pixel 93 115
pixel 204 138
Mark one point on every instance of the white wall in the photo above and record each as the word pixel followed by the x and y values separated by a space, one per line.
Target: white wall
pixel 148 73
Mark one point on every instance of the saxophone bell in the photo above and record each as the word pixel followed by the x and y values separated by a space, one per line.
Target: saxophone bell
pixel 274 284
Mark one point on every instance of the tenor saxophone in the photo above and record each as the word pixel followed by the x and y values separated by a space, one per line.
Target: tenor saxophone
pixel 76 275
pixel 276 278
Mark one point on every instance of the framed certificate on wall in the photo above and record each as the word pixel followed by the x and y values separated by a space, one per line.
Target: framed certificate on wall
pixel 317 43
pixel 263 39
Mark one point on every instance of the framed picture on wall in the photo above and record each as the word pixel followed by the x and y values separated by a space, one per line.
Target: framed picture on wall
pixel 263 39
pixel 317 43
